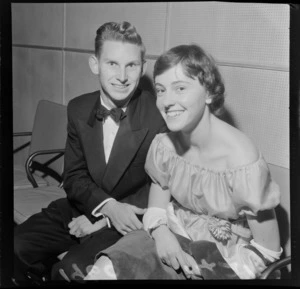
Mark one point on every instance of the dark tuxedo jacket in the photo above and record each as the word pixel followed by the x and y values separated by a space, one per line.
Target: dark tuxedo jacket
pixel 88 180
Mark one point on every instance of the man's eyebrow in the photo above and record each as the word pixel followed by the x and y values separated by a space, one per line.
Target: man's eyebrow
pixel 135 61
pixel 109 59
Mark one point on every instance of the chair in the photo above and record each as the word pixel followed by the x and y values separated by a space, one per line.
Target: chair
pixel 270 272
pixel 49 132
pixel 33 192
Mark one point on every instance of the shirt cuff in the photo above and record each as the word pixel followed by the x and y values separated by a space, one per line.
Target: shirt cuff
pixel 97 211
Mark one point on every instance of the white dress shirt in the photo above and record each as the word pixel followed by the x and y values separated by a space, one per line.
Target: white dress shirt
pixel 110 129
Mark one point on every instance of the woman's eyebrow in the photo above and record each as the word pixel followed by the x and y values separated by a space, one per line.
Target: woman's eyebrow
pixel 180 81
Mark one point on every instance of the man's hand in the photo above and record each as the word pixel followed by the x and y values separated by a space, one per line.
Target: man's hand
pixel 81 226
pixel 123 216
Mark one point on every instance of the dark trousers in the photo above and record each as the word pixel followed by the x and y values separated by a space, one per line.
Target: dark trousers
pixel 45 235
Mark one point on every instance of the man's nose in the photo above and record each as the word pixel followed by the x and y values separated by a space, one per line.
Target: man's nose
pixel 122 76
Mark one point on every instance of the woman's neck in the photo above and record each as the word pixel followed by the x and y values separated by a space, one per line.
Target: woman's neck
pixel 200 137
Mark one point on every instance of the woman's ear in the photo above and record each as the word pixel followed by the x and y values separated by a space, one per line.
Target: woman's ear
pixel 144 67
pixel 208 98
pixel 93 62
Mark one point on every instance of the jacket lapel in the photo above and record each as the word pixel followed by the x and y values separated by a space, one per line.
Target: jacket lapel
pixel 92 138
pixel 128 140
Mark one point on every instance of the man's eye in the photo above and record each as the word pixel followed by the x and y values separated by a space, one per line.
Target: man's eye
pixel 112 63
pixel 133 66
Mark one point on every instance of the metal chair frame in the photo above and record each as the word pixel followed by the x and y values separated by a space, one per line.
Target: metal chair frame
pixel 30 159
pixel 275 266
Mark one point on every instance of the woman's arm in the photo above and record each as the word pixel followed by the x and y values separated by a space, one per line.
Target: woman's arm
pixel 263 249
pixel 167 245
pixel 158 197
pixel 265 231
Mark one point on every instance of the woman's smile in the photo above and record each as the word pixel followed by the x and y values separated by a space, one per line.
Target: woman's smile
pixel 174 113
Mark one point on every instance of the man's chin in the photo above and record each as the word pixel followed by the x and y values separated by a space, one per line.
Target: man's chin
pixel 120 102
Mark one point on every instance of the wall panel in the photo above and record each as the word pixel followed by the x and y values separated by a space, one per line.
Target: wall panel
pixel 78 77
pixel 258 103
pixel 147 80
pixel 37 24
pixel 82 21
pixel 150 67
pixel 234 32
pixel 37 74
pixel 39 77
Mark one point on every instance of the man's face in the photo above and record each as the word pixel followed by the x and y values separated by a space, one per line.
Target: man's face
pixel 120 68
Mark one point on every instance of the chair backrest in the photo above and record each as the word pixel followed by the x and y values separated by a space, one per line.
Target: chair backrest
pixel 283 211
pixel 49 132
pixel 282 177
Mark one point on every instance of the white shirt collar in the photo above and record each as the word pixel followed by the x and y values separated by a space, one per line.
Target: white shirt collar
pixel 102 102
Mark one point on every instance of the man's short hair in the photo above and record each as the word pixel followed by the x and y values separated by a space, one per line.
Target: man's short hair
pixel 122 31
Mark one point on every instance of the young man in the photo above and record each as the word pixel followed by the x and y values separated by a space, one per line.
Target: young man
pixel 105 181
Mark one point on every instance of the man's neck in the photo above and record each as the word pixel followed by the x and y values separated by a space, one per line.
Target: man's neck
pixel 109 104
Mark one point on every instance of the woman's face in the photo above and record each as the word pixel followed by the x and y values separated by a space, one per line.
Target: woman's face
pixel 180 99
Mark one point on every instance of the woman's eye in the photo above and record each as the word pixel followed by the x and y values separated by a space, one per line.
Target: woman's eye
pixel 159 91
pixel 180 88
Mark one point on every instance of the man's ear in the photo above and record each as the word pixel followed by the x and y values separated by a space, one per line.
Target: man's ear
pixel 144 67
pixel 93 62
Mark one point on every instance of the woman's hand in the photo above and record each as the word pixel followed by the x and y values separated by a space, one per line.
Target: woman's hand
pixel 82 226
pixel 171 253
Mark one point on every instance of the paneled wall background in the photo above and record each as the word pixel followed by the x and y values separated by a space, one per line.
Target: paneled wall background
pixel 250 42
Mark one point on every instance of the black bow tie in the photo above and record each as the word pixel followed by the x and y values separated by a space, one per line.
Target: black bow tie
pixel 117 113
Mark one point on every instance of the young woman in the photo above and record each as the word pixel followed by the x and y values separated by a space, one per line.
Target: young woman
pixel 211 205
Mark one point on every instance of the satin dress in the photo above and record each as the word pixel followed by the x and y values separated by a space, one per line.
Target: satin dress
pixel 207 211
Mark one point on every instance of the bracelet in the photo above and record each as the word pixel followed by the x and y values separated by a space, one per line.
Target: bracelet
pixel 270 255
pixel 151 230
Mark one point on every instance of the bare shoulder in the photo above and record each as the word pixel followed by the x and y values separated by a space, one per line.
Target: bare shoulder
pixel 241 148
